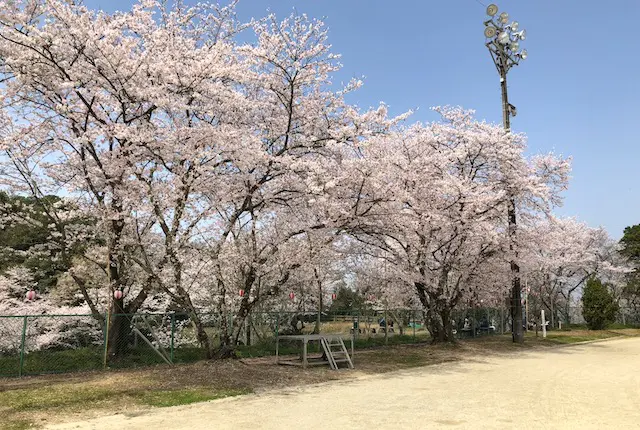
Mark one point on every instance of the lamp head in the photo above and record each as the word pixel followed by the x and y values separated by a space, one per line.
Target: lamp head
pixel 492 9
pixel 489 31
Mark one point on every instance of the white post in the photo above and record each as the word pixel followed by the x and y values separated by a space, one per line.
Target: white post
pixel 526 305
pixel 560 325
pixel 543 323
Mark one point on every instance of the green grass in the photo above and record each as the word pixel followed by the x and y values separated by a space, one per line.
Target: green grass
pixel 572 339
pixel 612 326
pixel 576 335
pixel 566 339
pixel 18 424
pixel 88 358
pixel 73 397
pixel 52 398
pixel 17 405
pixel 70 360
pixel 187 396
pixel 91 358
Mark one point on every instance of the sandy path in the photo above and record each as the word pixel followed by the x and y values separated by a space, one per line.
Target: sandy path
pixel 587 386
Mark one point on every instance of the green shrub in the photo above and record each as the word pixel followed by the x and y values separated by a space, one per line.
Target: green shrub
pixel 599 309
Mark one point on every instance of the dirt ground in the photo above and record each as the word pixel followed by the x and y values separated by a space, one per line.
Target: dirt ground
pixel 586 386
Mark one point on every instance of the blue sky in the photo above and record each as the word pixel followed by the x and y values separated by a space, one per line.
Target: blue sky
pixel 577 94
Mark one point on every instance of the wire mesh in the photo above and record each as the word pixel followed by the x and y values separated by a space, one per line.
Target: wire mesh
pixel 38 344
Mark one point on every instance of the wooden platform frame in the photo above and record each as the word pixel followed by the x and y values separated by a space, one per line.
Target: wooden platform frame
pixel 304 359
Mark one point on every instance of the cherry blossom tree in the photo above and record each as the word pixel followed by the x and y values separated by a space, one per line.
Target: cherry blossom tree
pixel 560 254
pixel 101 95
pixel 432 199
pixel 208 166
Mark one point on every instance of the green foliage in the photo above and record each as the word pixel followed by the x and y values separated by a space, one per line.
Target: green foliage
pixel 26 225
pixel 631 243
pixel 598 306
pixel 75 397
pixel 187 396
pixel 347 300
pixel 90 358
pixel 18 424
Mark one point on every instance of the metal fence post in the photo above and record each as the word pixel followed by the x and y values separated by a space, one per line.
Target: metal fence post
pixel 106 338
pixel 413 316
pixel 473 322
pixel 386 327
pixel 22 345
pixel 173 331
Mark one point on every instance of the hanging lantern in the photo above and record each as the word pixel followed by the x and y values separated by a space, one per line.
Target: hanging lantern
pixel 31 295
pixel 241 293
pixel 291 295
pixel 117 294
pixel 372 298
pixel 333 296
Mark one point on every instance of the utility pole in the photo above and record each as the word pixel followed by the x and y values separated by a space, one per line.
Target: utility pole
pixel 503 44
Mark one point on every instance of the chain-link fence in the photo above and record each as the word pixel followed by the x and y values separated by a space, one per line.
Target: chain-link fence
pixel 566 317
pixel 38 344
pixel 49 344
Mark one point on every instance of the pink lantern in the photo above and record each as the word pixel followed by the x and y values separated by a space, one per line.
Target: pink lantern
pixel 117 294
pixel 291 295
pixel 241 293
pixel 372 298
pixel 31 295
pixel 333 296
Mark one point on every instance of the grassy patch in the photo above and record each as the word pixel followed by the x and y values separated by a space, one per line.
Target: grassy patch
pixel 571 339
pixel 18 424
pixel 88 358
pixel 187 396
pixel 51 361
pixel 26 407
pixel 576 335
pixel 33 401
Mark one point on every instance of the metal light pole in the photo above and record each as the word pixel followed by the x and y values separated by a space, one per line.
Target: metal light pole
pixel 503 42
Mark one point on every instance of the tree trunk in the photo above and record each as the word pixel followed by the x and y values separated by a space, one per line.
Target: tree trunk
pixel 119 331
pixel 119 325
pixel 517 332
pixel 447 325
pixel 439 324
pixel 316 330
pixel 201 334
pixel 437 315
pixel 229 341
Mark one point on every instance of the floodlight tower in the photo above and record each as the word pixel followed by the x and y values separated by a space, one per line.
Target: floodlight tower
pixel 503 41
